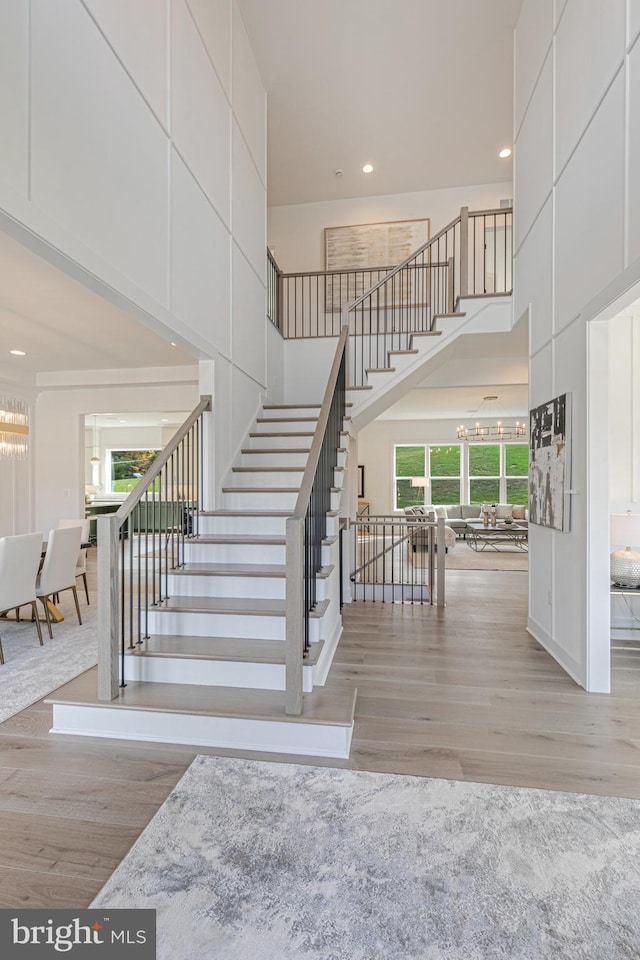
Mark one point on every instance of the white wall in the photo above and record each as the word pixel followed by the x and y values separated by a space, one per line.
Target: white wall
pixel 296 232
pixel 577 118
pixel 134 142
pixel 60 455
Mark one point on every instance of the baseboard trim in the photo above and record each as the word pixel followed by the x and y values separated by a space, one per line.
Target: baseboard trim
pixel 321 670
pixel 566 661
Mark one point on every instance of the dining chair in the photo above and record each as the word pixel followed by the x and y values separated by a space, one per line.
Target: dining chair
pixel 81 565
pixel 19 562
pixel 58 571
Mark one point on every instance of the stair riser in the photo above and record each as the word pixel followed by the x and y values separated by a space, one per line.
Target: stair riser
pixel 271 443
pixel 235 553
pixel 243 526
pixel 215 673
pixel 184 585
pixel 272 736
pixel 267 459
pixel 181 624
pixel 284 426
pixel 259 500
pixel 312 410
pixel 241 553
pixel 265 478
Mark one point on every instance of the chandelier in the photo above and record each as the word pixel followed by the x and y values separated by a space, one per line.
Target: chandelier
pixel 496 432
pixel 14 429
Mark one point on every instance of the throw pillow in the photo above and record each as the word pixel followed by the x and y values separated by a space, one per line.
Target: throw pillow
pixel 504 511
pixel 519 513
pixel 441 512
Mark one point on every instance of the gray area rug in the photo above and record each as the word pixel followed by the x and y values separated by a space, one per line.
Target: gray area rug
pixel 261 861
pixel 30 671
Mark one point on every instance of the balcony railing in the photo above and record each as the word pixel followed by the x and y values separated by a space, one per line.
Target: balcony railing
pixel 386 306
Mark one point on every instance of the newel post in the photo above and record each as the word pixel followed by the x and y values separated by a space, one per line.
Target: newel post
pixel 294 636
pixel 464 251
pixel 108 608
pixel 441 554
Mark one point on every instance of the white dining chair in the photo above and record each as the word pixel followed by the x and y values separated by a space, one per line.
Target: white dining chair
pixel 81 565
pixel 58 571
pixel 19 562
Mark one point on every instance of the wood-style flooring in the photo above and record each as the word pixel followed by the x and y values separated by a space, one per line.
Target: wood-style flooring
pixel 462 692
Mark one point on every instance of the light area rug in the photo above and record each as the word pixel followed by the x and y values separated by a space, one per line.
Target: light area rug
pixel 249 860
pixel 30 671
pixel 508 558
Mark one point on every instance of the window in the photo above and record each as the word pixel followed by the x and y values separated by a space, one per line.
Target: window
pixel 444 470
pixel 127 467
pixel 409 462
pixel 498 473
pixel 516 470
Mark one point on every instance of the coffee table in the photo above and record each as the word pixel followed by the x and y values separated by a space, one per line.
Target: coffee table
pixel 515 534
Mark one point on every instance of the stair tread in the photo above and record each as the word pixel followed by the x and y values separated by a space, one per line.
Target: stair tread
pixel 245 606
pixel 244 539
pixel 281 434
pixel 261 489
pixel 380 370
pixel 268 470
pixel 294 406
pixel 235 649
pixel 231 570
pixel 332 704
pixel 286 419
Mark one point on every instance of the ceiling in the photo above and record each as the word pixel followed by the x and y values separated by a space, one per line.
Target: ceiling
pixel 63 325
pixel 124 421
pixel 409 85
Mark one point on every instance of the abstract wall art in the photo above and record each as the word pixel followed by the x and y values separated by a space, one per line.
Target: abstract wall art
pixel 550 463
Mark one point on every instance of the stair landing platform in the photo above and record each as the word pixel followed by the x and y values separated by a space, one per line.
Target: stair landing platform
pixel 230 717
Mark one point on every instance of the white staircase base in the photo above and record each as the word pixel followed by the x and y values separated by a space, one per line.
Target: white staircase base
pixel 271 736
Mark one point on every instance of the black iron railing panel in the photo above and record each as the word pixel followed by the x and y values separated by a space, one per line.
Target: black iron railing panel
pixel 144 542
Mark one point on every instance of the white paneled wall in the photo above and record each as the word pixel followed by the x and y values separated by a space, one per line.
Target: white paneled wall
pixel 200 110
pixel 14 93
pixel 589 46
pixel 575 70
pixel 99 157
pixel 200 260
pixel 139 34
pixel 532 43
pixel 248 299
pixel 213 18
pixel 633 181
pixel 124 125
pixel 535 166
pixel 535 283
pixel 248 188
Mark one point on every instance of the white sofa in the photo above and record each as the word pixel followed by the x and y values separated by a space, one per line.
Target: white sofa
pixel 456 515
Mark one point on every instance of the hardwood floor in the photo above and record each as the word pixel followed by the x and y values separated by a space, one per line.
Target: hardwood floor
pixel 462 693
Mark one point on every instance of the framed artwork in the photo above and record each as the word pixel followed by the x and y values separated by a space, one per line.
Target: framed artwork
pixel 360 481
pixel 550 463
pixel 365 246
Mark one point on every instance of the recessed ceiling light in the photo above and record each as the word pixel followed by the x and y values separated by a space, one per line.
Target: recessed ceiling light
pixel 504 153
pixel 18 353
pixel 173 344
pixel 368 168
pixel 164 420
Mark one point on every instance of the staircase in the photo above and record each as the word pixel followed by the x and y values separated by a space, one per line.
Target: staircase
pixel 212 669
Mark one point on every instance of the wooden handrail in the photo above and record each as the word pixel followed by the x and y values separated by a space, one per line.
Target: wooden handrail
pixel 302 501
